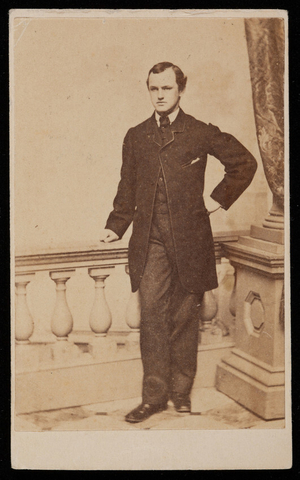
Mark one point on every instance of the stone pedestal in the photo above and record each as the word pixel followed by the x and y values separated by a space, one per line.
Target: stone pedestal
pixel 253 373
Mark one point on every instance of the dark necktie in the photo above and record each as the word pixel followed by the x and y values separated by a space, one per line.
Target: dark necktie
pixel 164 128
pixel 164 122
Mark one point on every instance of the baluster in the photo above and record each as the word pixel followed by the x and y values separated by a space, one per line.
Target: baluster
pixel 24 323
pixel 100 318
pixel 232 301
pixel 62 320
pixel 224 272
pixel 208 310
pixel 133 319
pixel 26 353
pixel 232 304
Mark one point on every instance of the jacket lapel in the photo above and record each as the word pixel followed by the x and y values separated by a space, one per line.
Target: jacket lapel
pixel 153 130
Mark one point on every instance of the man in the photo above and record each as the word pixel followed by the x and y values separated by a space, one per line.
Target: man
pixel 171 250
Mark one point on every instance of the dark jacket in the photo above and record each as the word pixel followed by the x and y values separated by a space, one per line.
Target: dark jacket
pixel 183 161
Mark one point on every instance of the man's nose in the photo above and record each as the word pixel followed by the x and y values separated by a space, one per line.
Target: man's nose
pixel 160 93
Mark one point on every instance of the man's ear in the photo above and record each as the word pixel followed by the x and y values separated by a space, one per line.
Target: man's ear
pixel 182 92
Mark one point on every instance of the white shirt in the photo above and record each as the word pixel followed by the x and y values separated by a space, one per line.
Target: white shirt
pixel 172 116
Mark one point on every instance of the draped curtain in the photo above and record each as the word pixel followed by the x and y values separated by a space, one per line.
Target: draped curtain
pixel 265 43
pixel 266 46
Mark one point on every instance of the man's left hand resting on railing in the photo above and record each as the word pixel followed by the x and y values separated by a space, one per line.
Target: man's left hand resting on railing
pixel 108 236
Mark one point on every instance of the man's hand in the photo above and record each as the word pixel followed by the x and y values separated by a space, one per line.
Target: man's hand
pixel 108 236
pixel 211 205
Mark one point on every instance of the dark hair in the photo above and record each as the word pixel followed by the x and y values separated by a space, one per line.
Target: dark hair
pixel 162 66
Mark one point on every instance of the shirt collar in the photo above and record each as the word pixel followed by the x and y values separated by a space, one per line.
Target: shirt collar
pixel 172 116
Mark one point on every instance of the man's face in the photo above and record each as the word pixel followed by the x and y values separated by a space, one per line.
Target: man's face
pixel 164 91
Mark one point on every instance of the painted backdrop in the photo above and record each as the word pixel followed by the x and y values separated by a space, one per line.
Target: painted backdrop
pixel 79 85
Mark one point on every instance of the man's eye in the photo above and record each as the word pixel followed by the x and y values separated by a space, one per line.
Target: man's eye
pixel 167 88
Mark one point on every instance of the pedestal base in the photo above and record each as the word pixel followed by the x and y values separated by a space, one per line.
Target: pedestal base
pixel 253 384
pixel 253 374
pixel 267 234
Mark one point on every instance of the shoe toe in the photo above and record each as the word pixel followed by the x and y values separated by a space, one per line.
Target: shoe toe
pixel 182 403
pixel 144 411
pixel 184 408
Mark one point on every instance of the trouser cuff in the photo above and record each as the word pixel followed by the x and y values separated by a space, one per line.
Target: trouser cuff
pixel 155 390
pixel 182 384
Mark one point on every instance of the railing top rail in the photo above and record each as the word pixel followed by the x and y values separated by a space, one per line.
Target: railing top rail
pixel 93 254
pixel 72 248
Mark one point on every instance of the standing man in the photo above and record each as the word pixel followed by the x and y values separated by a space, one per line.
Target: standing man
pixel 171 250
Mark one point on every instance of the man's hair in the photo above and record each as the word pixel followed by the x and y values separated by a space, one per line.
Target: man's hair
pixel 181 79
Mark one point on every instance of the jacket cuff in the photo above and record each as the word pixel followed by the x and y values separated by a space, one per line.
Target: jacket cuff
pixel 217 199
pixel 118 231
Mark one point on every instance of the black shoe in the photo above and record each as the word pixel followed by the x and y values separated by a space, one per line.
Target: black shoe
pixel 182 402
pixel 144 411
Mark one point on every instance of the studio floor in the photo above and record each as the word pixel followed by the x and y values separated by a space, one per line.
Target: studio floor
pixel 211 410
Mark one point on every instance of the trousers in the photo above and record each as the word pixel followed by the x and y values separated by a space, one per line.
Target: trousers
pixel 169 320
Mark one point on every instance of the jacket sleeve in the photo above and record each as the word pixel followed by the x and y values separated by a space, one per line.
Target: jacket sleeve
pixel 124 203
pixel 240 166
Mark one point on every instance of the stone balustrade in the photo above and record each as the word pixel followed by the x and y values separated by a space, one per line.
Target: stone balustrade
pixel 100 262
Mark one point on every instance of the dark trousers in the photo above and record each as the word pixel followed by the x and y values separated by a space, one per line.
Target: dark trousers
pixel 169 320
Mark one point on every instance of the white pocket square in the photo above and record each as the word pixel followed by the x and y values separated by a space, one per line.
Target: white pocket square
pixel 189 163
pixel 196 160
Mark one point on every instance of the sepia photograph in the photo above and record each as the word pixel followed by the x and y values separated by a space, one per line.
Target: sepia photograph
pixel 149 239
